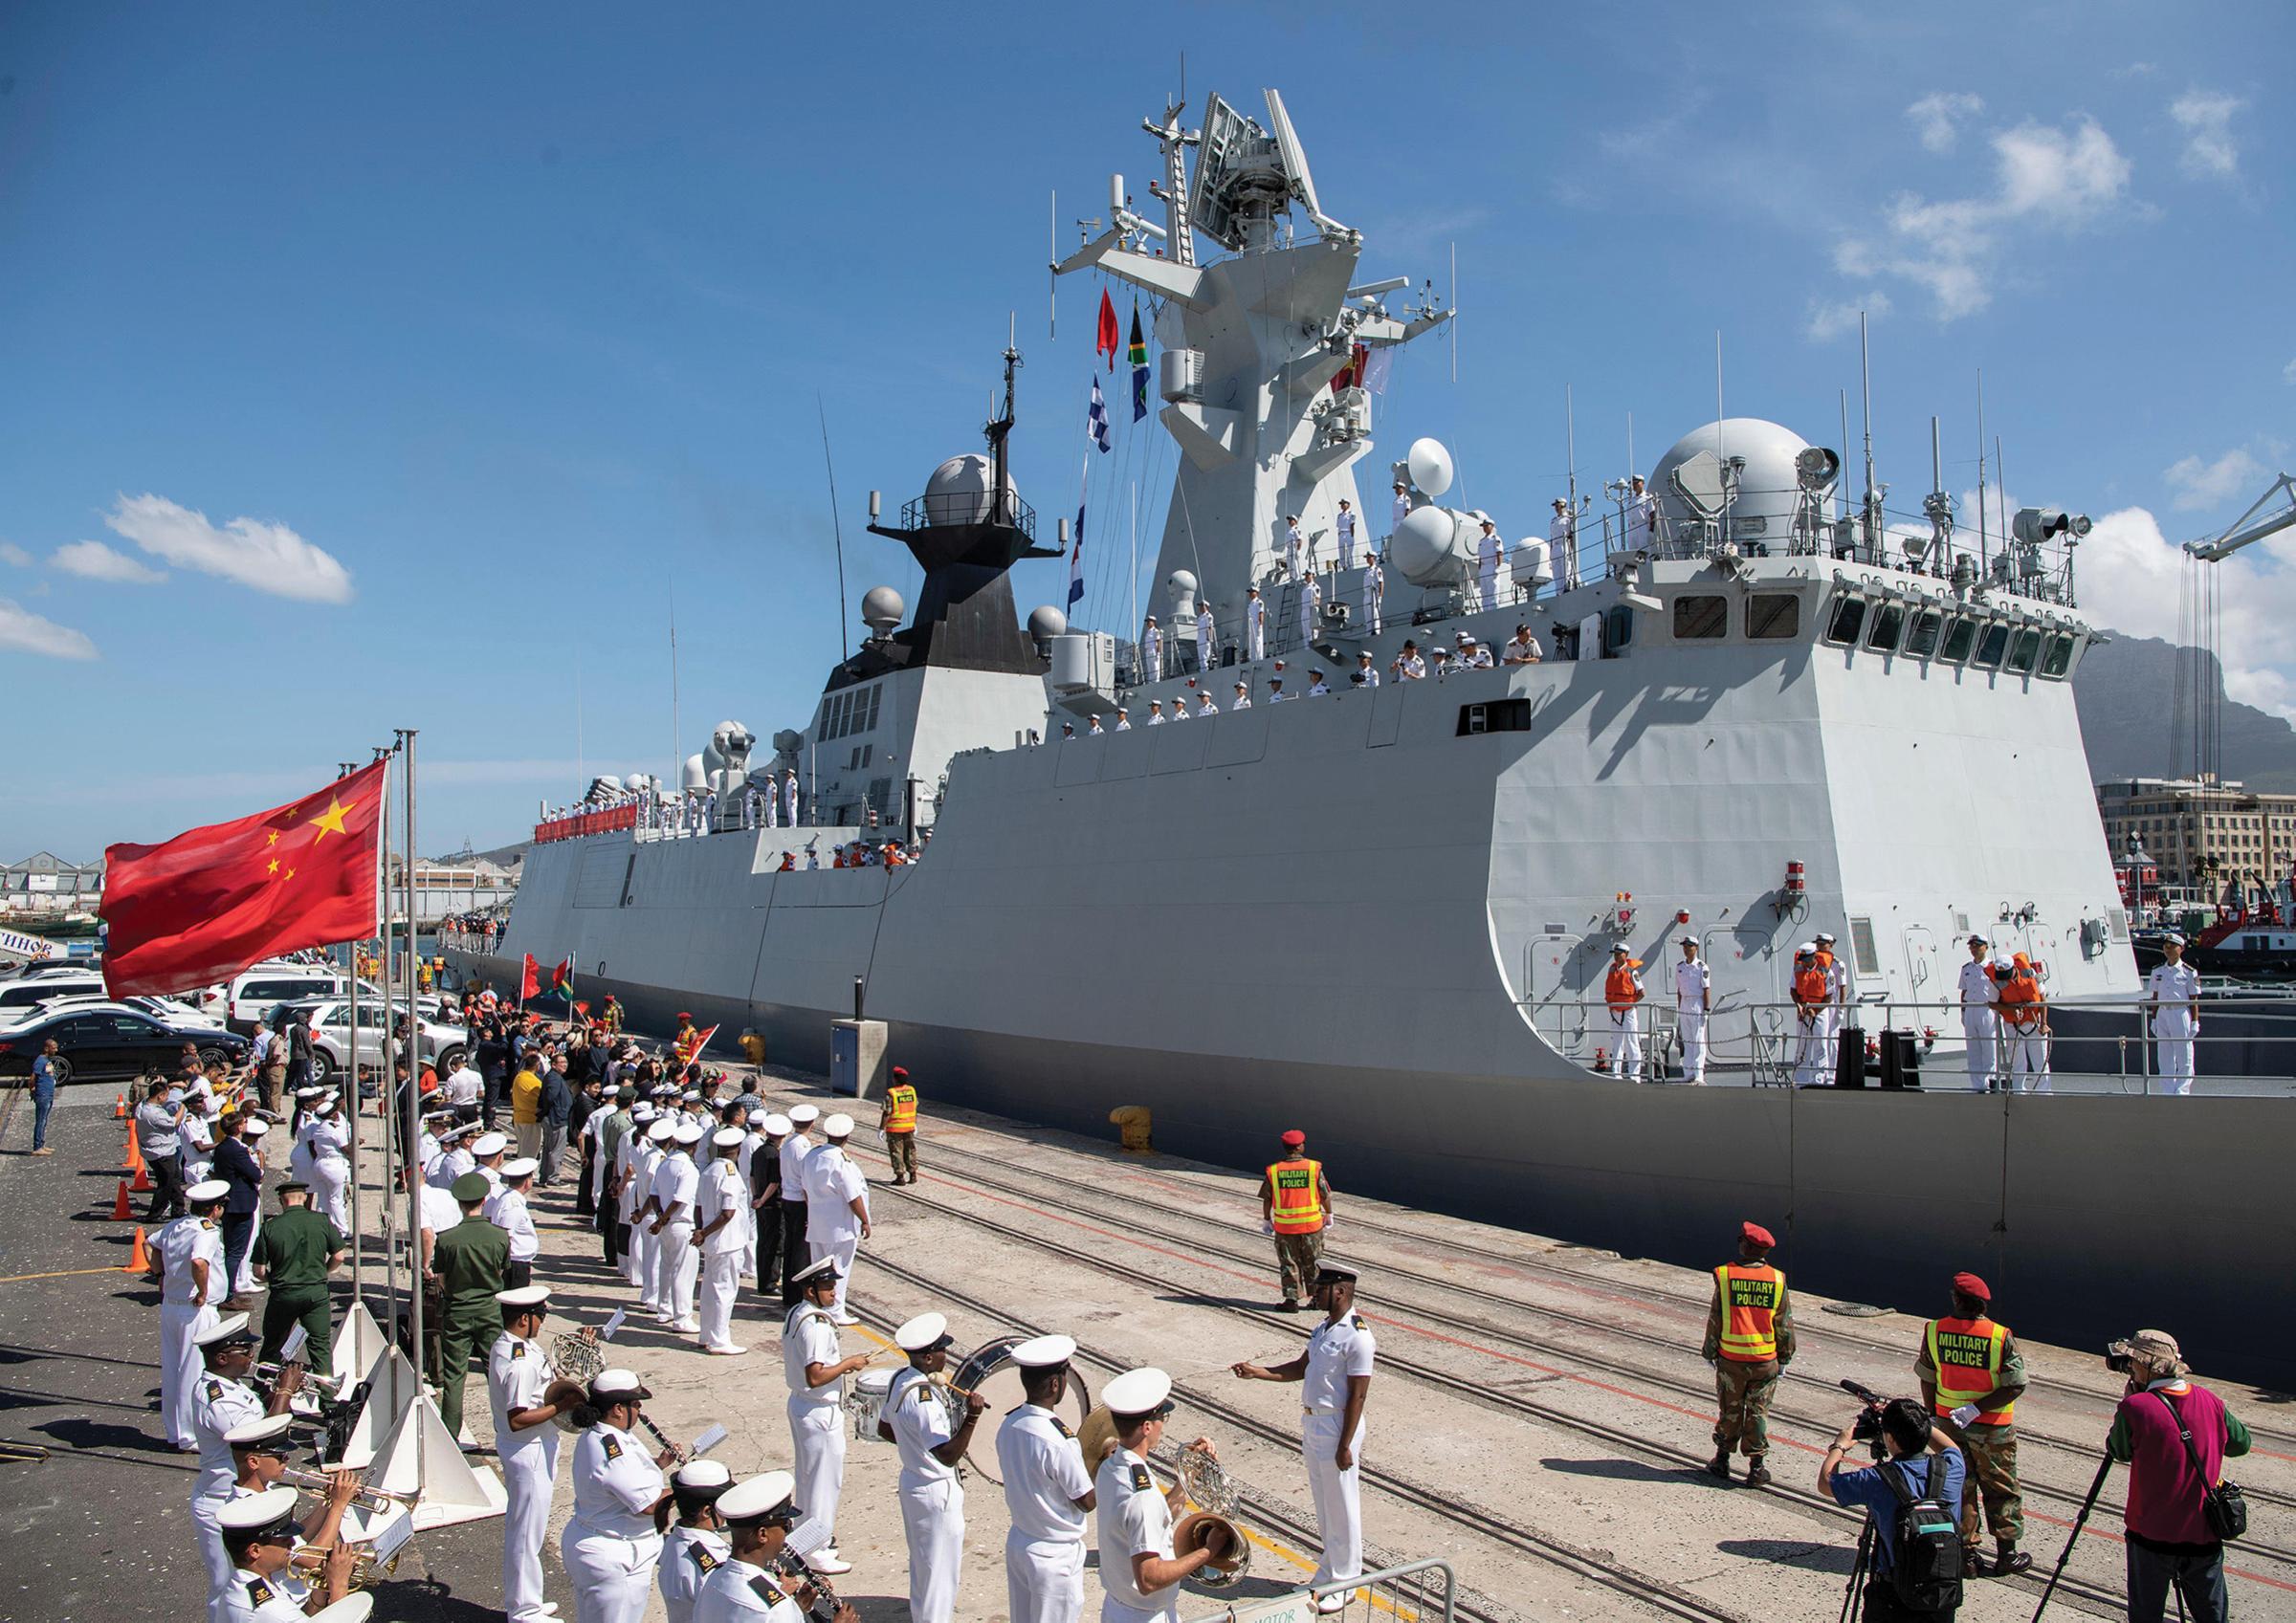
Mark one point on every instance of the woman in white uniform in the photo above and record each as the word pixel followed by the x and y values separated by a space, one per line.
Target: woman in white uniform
pixel 610 1547
pixel 329 1137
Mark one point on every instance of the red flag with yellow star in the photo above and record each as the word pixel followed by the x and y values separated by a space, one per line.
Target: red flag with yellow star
pixel 205 905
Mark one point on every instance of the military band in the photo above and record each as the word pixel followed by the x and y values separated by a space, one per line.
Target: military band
pixel 815 1368
pixel 528 1396
pixel 1047 1491
pixel 612 1545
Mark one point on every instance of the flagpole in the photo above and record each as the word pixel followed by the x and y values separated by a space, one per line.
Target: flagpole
pixel 382 894
pixel 411 1126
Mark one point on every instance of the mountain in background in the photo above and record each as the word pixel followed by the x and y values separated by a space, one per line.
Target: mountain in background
pixel 2126 691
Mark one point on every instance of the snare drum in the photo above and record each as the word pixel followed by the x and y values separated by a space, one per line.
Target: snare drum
pixel 866 1402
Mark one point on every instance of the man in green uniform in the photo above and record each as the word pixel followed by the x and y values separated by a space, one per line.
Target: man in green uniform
pixel 1970 1374
pixel 467 1260
pixel 1749 1341
pixel 294 1254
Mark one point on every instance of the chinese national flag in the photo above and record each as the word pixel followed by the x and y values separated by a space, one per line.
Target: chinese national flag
pixel 208 903
pixel 530 980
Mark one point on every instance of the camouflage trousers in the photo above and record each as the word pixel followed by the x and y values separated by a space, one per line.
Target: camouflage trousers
pixel 1744 1391
pixel 1299 1256
pixel 1991 1483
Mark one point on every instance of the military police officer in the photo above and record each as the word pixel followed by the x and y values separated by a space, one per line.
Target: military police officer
pixel 897 1122
pixel 1295 1204
pixel 1749 1341
pixel 1970 1374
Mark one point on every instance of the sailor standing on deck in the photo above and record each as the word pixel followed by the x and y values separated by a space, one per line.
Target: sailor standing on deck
pixel 1980 1028
pixel 1622 997
pixel 836 1205
pixel 1204 630
pixel 931 1499
pixel 2025 1011
pixel 1749 1341
pixel 1152 651
pixel 2172 993
pixel 1837 993
pixel 1809 988
pixel 1335 1376
pixel 1293 542
pixel 1487 563
pixel 1047 1491
pixel 814 1366
pixel 1642 516
pixel 1311 600
pixel 1255 624
pixel 1694 997
pixel 1563 547
pixel 1402 508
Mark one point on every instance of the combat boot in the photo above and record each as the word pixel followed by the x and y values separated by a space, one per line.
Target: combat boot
pixel 1719 1466
pixel 2011 1560
pixel 1758 1473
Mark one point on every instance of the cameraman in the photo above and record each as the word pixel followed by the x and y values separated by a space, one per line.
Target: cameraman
pixel 2168 1537
pixel 1917 1448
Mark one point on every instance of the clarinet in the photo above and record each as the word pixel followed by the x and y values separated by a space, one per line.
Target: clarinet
pixel 789 1563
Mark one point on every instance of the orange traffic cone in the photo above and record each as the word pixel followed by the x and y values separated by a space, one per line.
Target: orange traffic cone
pixel 135 1151
pixel 142 1183
pixel 138 1256
pixel 120 1211
pixel 120 1108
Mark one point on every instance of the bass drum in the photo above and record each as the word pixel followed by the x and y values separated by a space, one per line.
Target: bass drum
pixel 989 1371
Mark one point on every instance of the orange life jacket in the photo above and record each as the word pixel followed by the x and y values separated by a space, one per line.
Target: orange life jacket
pixel 1298 1185
pixel 2022 992
pixel 1751 1293
pixel 1619 991
pixel 1811 985
pixel 1967 1353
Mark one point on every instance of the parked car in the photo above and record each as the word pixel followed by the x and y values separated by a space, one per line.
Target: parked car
pixel 246 1001
pixel 440 1045
pixel 171 1009
pixel 22 995
pixel 112 1039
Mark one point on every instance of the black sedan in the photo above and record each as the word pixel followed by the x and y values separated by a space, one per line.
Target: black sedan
pixel 113 1041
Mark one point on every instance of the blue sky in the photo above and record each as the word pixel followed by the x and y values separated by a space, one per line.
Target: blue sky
pixel 402 366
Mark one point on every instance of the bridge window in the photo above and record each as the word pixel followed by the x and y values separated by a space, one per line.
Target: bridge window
pixel 1618 630
pixel 1499 715
pixel 1992 645
pixel 1921 637
pixel 2060 657
pixel 1889 622
pixel 1701 616
pixel 1850 619
pixel 1773 614
pixel 2024 651
pixel 1960 638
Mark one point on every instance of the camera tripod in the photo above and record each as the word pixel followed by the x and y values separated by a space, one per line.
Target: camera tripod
pixel 2087 1505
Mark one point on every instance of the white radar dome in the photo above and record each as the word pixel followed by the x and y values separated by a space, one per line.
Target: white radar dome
pixel 1045 622
pixel 881 609
pixel 1434 546
pixel 1763 504
pixel 957 492
pixel 1430 465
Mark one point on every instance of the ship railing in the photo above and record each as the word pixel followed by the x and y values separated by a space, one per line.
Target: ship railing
pixel 2097 1044
pixel 1411 1591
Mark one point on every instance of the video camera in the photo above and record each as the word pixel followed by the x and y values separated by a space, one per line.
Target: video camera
pixel 1868 1428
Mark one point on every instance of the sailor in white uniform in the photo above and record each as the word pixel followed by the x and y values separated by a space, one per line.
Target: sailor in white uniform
pixel 1255 624
pixel 260 1531
pixel 610 1547
pixel 2173 993
pixel 193 1284
pixel 1563 546
pixel 1293 542
pixel 931 1445
pixel 528 1396
pixel 1694 997
pixel 1335 1376
pixel 507 1210
pixel 1204 638
pixel 1980 1025
pixel 1346 525
pixel 815 1367
pixel 695 1546
pixel 1152 651
pixel 1487 563
pixel 222 1402
pixel 1642 516
pixel 676 1187
pixel 790 796
pixel 645 1245
pixel 1243 698
pixel 1837 992
pixel 1139 1575
pixel 1047 1491
pixel 836 1206
pixel 1311 600
pixel 723 1236
pixel 1402 508
pixel 1156 713
pixel 1366 675
pixel 328 1137
pixel 1123 720
pixel 758 1515
pixel 1375 588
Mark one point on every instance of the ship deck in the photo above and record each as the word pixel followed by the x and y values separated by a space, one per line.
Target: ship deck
pixel 1539 1417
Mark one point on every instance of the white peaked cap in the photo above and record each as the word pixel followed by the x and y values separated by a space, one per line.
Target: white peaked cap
pixel 759 1496
pixel 255 1510
pixel 839 1126
pixel 1136 1392
pixel 1045 1351
pixel 925 1331
pixel 803 1114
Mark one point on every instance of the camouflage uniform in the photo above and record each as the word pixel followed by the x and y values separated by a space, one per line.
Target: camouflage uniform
pixel 1990 1500
pixel 1299 1256
pixel 1744 1390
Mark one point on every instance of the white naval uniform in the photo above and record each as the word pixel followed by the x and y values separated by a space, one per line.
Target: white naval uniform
pixel 185 1314
pixel 508 1212
pixel 725 1252
pixel 689 1556
pixel 2176 1022
pixel 1402 511
pixel 1151 652
pixel 816 1414
pixel 609 1547
pixel 731 1592
pixel 218 1405
pixel 1980 1026
pixel 1375 588
pixel 518 1373
pixel 645 1245
pixel 1641 520
pixel 248 1597
pixel 1626 1034
pixel 1487 567
pixel 451 1165
pixel 1836 996
pixel 677 1182
pixel 1337 1350
pixel 1310 598
pixel 330 1168
pixel 1255 627
pixel 1562 551
pixel 1291 544
pixel 931 1500
pixel 1042 1465
pixel 1204 631
pixel 832 1184
pixel 1135 1520
pixel 1692 980
pixel 1344 523
pixel 600 1170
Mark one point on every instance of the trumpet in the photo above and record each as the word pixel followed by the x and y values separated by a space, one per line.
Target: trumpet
pixel 321 1482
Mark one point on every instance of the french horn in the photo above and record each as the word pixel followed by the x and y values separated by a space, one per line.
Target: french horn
pixel 1212 1522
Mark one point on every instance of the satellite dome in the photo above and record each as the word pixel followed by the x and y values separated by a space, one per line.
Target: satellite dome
pixel 881 609
pixel 1766 488
pixel 1430 465
pixel 1045 622
pixel 957 492
pixel 1433 547
pixel 786 741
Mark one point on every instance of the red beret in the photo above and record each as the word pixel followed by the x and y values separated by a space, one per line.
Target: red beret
pixel 1295 1138
pixel 901 1071
pixel 1756 1233
pixel 1968 1284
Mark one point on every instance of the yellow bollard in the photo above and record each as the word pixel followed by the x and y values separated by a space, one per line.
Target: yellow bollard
pixel 1131 1122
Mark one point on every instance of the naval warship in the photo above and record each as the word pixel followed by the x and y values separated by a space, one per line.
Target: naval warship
pixel 1384 912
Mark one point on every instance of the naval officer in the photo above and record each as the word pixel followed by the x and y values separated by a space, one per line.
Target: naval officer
pixel 1375 588
pixel 221 1402
pixel 836 1205
pixel 193 1283
pixel 1980 1026
pixel 1140 1575
pixel 723 1238
pixel 1047 1491
pixel 814 1366
pixel 260 1534
pixel 1346 525
pixel 528 1396
pixel 2173 993
pixel 796 1150
pixel 1204 637
pixel 1255 624
pixel 1693 1000
pixel 1311 600
pixel 758 1515
pixel 931 1445
pixel 1335 1376
pixel 1487 563
pixel 1152 651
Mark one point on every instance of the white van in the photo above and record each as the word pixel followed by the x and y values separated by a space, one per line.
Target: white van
pixel 21 995
pixel 253 995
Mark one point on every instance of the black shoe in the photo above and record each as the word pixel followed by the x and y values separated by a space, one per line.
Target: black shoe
pixel 1973 1563
pixel 1288 1305
pixel 2011 1562
pixel 1758 1473
pixel 1718 1467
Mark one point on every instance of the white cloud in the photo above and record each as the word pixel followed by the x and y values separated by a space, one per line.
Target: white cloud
pixel 1936 116
pixel 2067 176
pixel 11 553
pixel 2287 375
pixel 2205 116
pixel 2212 484
pixel 25 632
pixel 269 558
pixel 1830 319
pixel 93 560
pixel 2132 577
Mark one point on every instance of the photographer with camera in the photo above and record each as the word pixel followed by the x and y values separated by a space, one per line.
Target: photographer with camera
pixel 1911 1552
pixel 2174 1436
